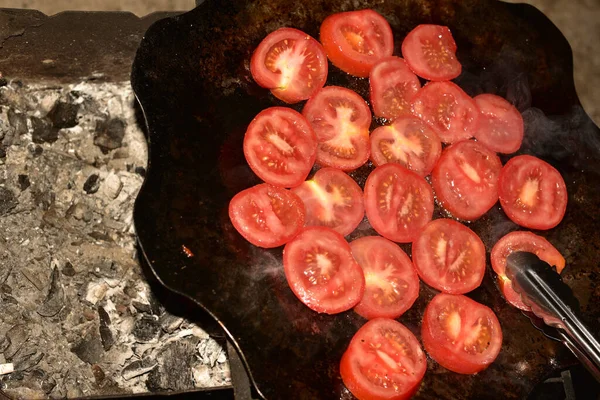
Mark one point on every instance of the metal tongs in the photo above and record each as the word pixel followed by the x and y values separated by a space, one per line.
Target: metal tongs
pixel 554 308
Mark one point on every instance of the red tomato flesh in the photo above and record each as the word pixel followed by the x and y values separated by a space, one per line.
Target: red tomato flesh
pixel 266 215
pixel 290 63
pixel 460 334
pixel 321 271
pixel 341 120
pixel 355 40
pixel 392 88
pixel 465 179
pixel 448 109
pixel 332 199
pixel 449 256
pixel 392 284
pixel 407 141
pixel 430 51
pixel 384 361
pixel 280 146
pixel 532 193
pixel 500 124
pixel 398 202
pixel 521 241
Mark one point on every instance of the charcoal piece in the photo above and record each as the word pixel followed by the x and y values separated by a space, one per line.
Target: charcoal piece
pixel 141 171
pixel 174 370
pixel 18 121
pixel 8 201
pixel 141 307
pixel 3 82
pixel 5 289
pixel 23 181
pixel 106 335
pixel 55 299
pixel 48 384
pixel 4 343
pixel 146 329
pixel 98 373
pixel 138 368
pixel 169 322
pixel 2 152
pixel 35 149
pixel 17 336
pixel 63 115
pixel 89 349
pixel 25 359
pixel 68 269
pixel 109 134
pixel 6 270
pixel 92 184
pixel 106 268
pixel 43 131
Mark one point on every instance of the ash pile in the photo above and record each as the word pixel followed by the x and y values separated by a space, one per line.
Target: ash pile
pixel 77 317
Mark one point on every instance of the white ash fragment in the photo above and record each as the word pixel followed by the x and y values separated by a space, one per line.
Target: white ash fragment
pixel 209 351
pixel 6 368
pixel 138 368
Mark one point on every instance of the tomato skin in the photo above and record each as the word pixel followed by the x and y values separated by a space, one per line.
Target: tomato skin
pixel 445 67
pixel 451 112
pixel 341 120
pixel 280 224
pixel 358 358
pixel 403 186
pixel 386 266
pixel 459 183
pixel 521 241
pixel 519 178
pixel 343 54
pixel 297 86
pixel 326 186
pixel 407 141
pixel 331 265
pixel 297 148
pixel 392 86
pixel 500 124
pixel 452 355
pixel 456 238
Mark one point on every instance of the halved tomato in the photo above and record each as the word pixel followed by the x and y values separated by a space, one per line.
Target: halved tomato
pixel 398 202
pixel 500 124
pixel 407 141
pixel 460 334
pixel 290 63
pixel 449 256
pixel 465 179
pixel 332 199
pixel 355 40
pixel 430 51
pixel 521 241
pixel 448 109
pixel 266 215
pixel 392 284
pixel 384 361
pixel 392 87
pixel 532 193
pixel 321 271
pixel 280 146
pixel 341 120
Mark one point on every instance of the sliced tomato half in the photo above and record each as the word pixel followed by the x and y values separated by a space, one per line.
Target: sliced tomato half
pixel 398 202
pixel 448 109
pixel 280 146
pixel 465 179
pixel 332 199
pixel 290 63
pixel 449 256
pixel 460 334
pixel 430 51
pixel 392 284
pixel 266 215
pixel 384 361
pixel 407 141
pixel 500 124
pixel 521 241
pixel 355 40
pixel 392 87
pixel 341 120
pixel 532 193
pixel 321 271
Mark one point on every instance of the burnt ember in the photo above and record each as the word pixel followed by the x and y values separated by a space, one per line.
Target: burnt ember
pixel 77 316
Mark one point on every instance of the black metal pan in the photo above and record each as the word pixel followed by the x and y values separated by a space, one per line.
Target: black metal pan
pixel 191 76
